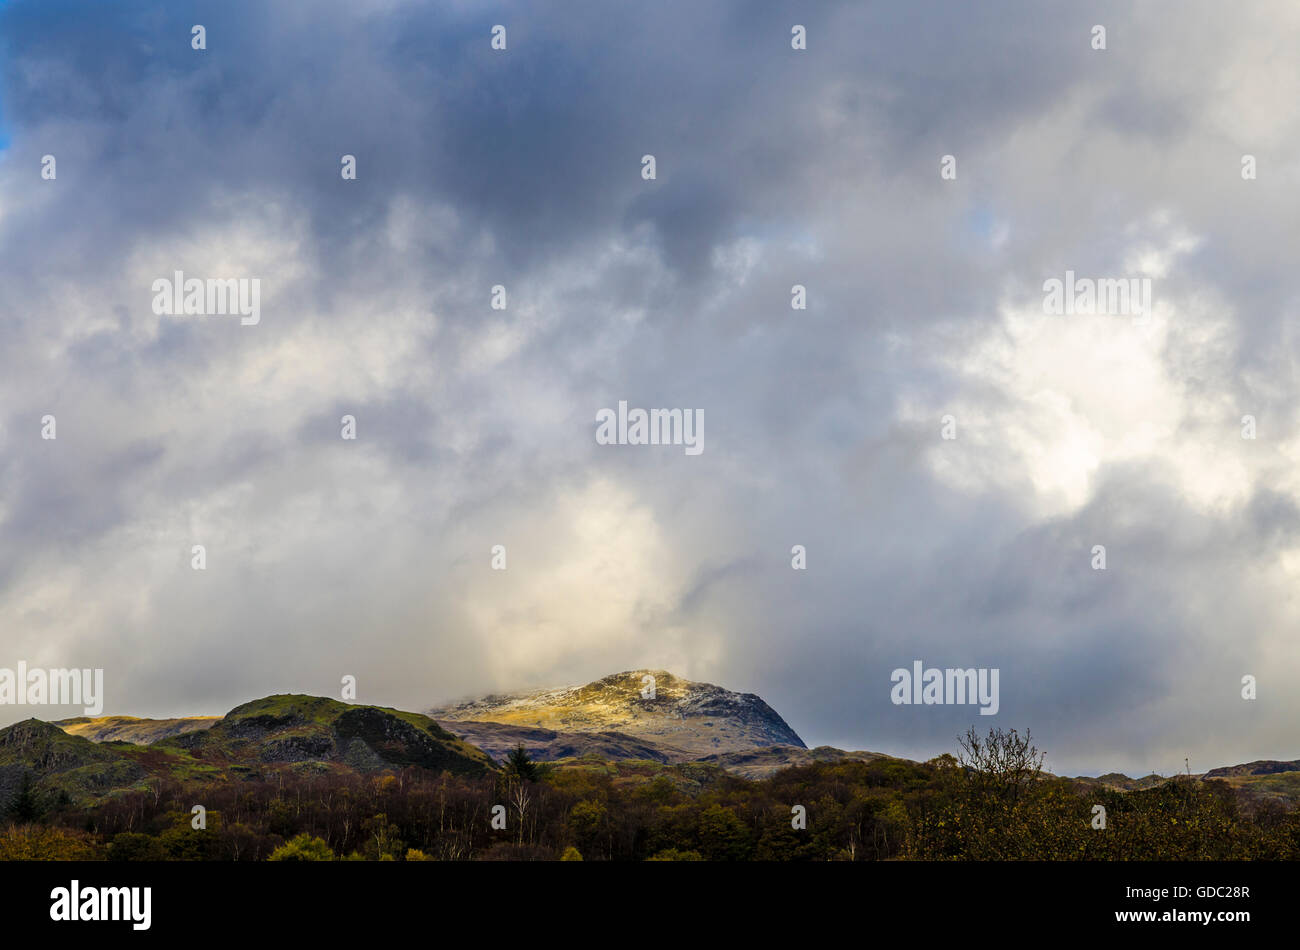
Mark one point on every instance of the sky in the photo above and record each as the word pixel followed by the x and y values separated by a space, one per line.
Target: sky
pixel 476 167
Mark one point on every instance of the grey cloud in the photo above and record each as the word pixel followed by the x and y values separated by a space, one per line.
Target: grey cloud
pixel 476 426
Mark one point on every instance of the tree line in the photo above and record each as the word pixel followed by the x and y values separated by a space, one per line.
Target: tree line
pixel 991 801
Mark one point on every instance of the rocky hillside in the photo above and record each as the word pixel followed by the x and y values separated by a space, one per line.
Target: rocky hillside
pixel 57 766
pixel 546 745
pixel 293 728
pixel 685 720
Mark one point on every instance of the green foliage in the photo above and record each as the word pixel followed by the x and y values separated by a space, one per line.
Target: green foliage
pixel 25 807
pixel 132 846
pixel 304 847
pixel 383 841
pixel 520 765
pixel 589 826
pixel 183 842
pixel 35 843
pixel 723 836
pixel 571 854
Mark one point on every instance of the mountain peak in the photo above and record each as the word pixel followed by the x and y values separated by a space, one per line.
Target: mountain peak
pixel 675 713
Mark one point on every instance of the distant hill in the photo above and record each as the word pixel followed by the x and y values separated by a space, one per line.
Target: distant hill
pixel 1263 780
pixel 1122 783
pixel 767 761
pixel 685 720
pixel 131 729
pixel 1262 767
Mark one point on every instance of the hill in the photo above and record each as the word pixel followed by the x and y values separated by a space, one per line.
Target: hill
pixel 60 764
pixel 767 761
pixel 131 729
pixel 292 728
pixel 1262 767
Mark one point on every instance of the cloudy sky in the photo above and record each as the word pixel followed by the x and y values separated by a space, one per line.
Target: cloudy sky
pixel 475 427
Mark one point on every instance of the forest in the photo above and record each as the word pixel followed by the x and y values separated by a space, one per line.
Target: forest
pixel 991 801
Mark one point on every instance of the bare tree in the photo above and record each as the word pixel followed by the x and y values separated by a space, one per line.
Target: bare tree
pixel 1002 765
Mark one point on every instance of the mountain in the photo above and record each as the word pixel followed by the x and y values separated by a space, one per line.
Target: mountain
pixel 684 721
pixel 131 729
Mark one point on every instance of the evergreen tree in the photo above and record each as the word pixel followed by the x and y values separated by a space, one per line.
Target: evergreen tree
pixel 520 764
pixel 26 807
